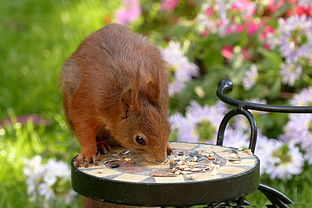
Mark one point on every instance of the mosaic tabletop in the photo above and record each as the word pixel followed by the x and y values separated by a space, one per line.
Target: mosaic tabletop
pixel 193 174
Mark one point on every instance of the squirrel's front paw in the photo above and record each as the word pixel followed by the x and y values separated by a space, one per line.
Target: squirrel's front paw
pixel 169 150
pixel 85 159
pixel 103 146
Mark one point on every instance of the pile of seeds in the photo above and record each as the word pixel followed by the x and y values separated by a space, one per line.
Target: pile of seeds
pixel 235 155
pixel 184 162
pixel 117 159
pixel 180 162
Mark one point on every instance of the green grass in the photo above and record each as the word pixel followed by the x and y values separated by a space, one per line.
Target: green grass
pixel 36 37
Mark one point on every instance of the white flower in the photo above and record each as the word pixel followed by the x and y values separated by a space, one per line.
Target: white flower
pixel 34 172
pixel 304 98
pixel 175 120
pixel 222 6
pixel 235 138
pixel 241 122
pixel 294 36
pixel 42 179
pixel 291 164
pixel 206 22
pixel 33 167
pixel 298 129
pixel 189 126
pixel 279 160
pixel 308 154
pixel 290 73
pixel 250 78
pixel 305 3
pixel 187 132
pixel 182 69
pixel 216 17
pixel 69 196
pixel 58 168
pixel 46 191
pixel 214 114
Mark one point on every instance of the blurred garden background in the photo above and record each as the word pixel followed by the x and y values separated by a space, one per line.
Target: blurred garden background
pixel 264 47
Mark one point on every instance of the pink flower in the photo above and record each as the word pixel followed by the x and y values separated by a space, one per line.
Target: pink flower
pixel 246 6
pixel 300 10
pixel 235 28
pixel 204 33
pixel 129 12
pixel 268 47
pixel 208 11
pixel 246 53
pixel 265 33
pixel 252 28
pixel 227 52
pixel 240 28
pixel 169 5
pixel 275 5
pixel 267 30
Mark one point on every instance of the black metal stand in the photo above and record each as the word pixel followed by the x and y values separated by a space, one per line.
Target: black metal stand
pixel 277 198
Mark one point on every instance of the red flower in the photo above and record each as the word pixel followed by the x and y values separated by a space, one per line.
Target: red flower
pixel 227 52
pixel 299 10
pixel 204 33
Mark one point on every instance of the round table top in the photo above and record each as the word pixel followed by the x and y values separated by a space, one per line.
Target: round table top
pixel 194 174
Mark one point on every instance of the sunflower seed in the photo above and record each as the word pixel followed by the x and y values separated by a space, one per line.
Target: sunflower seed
pixel 114 165
pixel 196 169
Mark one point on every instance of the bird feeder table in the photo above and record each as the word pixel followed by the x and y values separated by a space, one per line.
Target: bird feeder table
pixel 226 186
pixel 137 184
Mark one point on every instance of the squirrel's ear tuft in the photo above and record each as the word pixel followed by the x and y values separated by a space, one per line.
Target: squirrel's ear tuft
pixel 152 92
pixel 129 97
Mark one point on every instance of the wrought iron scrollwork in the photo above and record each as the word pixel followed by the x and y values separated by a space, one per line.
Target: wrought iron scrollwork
pixel 239 203
pixel 276 197
pixel 225 86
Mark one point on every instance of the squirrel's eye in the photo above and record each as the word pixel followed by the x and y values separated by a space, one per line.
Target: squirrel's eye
pixel 140 140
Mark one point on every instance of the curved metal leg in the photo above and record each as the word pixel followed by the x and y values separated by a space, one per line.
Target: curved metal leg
pixel 237 203
pixel 277 198
pixel 252 123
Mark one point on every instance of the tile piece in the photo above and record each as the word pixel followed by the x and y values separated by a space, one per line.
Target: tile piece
pixel 176 179
pixel 102 172
pixel 231 170
pixel 180 145
pixel 211 148
pixel 204 176
pixel 131 178
pixel 243 162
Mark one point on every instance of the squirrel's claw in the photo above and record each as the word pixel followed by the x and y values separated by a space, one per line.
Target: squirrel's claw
pixel 169 150
pixel 84 160
pixel 103 146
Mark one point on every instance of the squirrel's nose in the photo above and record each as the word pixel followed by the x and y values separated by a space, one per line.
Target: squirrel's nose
pixel 161 157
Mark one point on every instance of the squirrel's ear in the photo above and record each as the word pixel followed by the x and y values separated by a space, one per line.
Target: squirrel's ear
pixel 152 91
pixel 129 98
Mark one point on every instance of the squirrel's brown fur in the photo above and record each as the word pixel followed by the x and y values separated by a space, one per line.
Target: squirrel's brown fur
pixel 116 82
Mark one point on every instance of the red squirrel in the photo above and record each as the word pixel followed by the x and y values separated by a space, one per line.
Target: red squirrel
pixel 116 84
